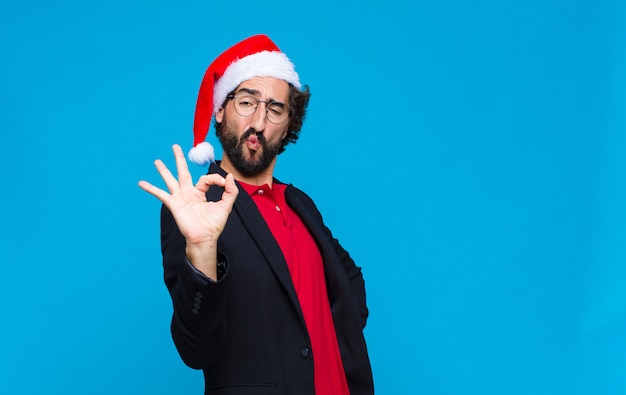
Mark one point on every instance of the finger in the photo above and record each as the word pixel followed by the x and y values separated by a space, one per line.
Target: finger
pixel 184 177
pixel 230 191
pixel 168 177
pixel 154 191
pixel 205 181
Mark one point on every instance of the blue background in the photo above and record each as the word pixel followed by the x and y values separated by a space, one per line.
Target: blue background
pixel 469 154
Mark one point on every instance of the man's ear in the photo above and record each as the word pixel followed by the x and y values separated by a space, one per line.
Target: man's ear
pixel 219 116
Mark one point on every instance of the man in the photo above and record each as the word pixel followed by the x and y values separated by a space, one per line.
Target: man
pixel 265 299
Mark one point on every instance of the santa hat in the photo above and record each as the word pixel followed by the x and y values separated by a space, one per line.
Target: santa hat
pixel 256 56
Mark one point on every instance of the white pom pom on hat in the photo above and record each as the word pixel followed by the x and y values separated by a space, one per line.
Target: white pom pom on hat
pixel 256 56
pixel 202 154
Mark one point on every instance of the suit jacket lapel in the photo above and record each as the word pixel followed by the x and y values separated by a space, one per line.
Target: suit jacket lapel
pixel 257 228
pixel 332 266
pixel 260 232
pixel 316 231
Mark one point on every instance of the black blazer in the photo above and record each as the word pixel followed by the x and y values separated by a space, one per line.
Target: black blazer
pixel 246 331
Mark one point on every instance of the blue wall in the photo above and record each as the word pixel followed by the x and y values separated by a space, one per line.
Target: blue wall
pixel 469 154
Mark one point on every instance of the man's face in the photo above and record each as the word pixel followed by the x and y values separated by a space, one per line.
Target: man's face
pixel 252 143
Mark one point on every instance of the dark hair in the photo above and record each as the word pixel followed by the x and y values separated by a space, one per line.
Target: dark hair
pixel 298 102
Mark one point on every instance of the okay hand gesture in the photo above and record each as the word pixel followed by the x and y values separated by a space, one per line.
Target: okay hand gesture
pixel 200 222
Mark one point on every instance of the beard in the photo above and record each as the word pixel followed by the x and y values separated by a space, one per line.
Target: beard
pixel 234 148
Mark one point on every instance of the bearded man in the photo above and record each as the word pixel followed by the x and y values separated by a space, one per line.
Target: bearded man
pixel 265 299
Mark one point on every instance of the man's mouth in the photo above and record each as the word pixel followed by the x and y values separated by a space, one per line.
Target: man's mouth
pixel 253 143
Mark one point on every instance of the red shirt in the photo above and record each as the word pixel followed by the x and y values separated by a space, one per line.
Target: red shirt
pixel 307 273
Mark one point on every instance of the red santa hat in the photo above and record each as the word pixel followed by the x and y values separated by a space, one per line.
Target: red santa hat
pixel 256 56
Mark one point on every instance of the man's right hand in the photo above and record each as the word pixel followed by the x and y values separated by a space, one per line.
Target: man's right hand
pixel 200 222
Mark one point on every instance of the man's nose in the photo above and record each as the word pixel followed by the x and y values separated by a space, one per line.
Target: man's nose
pixel 259 118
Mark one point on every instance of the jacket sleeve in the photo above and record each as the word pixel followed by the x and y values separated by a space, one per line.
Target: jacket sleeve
pixel 355 275
pixel 198 325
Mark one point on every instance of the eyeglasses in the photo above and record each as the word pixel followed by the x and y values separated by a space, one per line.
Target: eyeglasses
pixel 246 105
